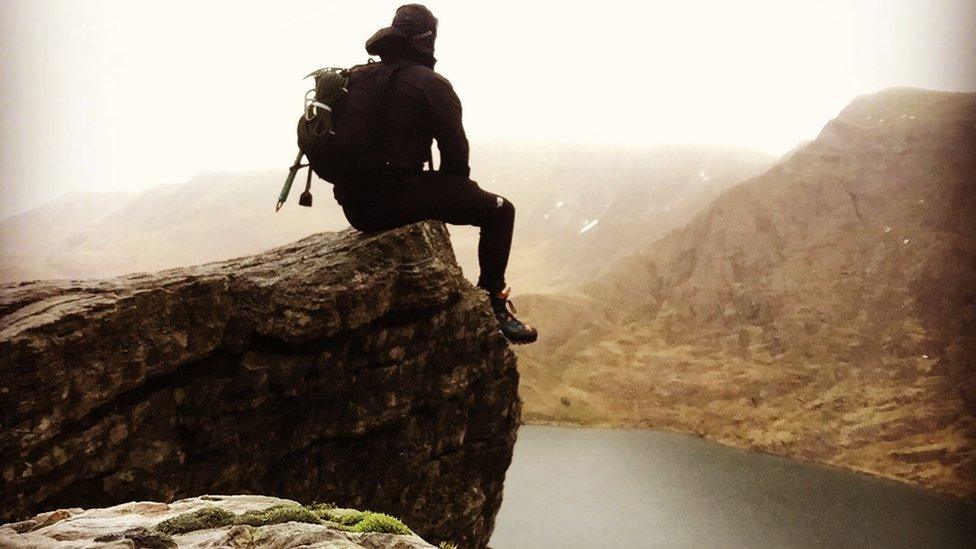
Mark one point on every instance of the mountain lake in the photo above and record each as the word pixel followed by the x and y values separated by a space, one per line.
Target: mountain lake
pixel 608 488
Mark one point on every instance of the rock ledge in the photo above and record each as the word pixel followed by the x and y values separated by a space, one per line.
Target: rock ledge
pixel 356 369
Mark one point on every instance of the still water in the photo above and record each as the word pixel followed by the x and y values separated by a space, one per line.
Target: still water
pixel 593 488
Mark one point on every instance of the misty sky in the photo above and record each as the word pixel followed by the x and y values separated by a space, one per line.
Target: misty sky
pixel 103 95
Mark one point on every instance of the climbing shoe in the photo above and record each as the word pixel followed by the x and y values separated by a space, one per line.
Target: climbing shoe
pixel 514 329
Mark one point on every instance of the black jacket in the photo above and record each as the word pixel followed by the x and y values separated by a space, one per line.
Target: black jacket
pixel 420 106
pixel 417 107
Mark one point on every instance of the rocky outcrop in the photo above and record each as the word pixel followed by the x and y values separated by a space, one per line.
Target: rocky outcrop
pixel 360 370
pixel 254 522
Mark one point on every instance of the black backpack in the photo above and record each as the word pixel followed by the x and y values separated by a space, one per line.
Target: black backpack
pixel 338 132
pixel 351 147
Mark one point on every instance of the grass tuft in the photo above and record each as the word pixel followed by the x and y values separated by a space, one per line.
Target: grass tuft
pixel 380 522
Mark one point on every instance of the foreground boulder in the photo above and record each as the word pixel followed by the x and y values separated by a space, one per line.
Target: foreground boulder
pixel 211 521
pixel 360 370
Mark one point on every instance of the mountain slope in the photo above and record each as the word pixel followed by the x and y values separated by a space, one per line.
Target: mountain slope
pixel 581 207
pixel 823 310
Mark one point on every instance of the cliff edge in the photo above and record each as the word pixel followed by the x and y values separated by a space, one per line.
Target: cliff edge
pixel 356 369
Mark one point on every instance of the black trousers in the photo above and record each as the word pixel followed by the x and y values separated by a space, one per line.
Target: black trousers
pixel 451 199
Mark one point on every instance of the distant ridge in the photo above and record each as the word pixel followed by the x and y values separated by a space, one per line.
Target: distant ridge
pixel 631 195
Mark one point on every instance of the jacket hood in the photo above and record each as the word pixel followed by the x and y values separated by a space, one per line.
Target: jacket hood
pixel 410 36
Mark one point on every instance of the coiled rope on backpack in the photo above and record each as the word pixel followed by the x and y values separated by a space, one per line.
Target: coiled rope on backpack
pixel 330 84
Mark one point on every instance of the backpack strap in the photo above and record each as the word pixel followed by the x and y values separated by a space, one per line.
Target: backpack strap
pixel 381 84
pixel 385 77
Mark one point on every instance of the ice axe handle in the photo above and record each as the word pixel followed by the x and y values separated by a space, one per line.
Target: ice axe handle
pixel 292 171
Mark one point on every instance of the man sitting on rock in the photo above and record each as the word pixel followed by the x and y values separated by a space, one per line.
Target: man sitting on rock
pixel 419 106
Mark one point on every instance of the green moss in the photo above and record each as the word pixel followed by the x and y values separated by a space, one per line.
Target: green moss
pixel 141 537
pixel 278 514
pixel 357 521
pixel 148 539
pixel 380 522
pixel 243 536
pixel 207 517
pixel 447 545
pixel 324 511
pixel 320 513
pixel 345 517
pixel 320 507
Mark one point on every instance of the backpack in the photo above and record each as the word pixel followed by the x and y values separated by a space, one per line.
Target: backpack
pixel 338 132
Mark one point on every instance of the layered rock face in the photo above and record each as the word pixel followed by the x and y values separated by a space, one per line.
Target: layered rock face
pixel 360 370
pixel 825 310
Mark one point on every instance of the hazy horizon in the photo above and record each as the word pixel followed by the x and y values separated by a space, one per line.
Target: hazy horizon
pixel 109 96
